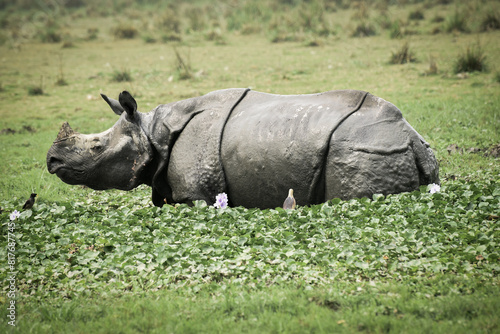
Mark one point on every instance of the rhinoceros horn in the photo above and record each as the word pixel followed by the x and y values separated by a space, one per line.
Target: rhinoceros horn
pixel 65 132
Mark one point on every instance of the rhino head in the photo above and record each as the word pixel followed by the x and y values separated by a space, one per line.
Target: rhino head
pixel 116 158
pixel 138 148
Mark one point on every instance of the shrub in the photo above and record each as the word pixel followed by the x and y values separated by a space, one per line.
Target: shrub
pixel 68 44
pixel 171 37
pixel 249 29
pixel 121 76
pixel 92 34
pixel 147 38
pixel 364 29
pixel 437 19
pixel 416 15
pixel 124 31
pixel 404 55
pixel 384 20
pixel 183 65
pixel 361 10
pixel 50 35
pixel 280 36
pixel 169 22
pixel 472 60
pixel 35 90
pixel 196 18
pixel 497 77
pixel 433 69
pixel 74 3
pixel 456 22
pixel 395 30
pixel 436 30
pixel 490 22
pixel 312 18
pixel 216 36
pixel 60 78
pixel 257 12
pixel 3 38
pixel 61 82
pixel 314 42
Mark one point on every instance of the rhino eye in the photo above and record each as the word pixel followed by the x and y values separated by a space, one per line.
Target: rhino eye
pixel 96 146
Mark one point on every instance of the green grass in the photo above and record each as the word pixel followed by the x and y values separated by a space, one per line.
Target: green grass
pixel 340 308
pixel 111 262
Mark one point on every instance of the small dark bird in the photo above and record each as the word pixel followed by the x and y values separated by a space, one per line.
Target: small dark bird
pixel 29 203
pixel 289 201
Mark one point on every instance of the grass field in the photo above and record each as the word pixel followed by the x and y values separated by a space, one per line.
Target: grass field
pixel 110 262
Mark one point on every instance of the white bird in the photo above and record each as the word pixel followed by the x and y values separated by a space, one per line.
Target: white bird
pixel 289 201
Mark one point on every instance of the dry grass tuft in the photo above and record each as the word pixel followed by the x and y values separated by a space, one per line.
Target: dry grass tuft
pixel 403 55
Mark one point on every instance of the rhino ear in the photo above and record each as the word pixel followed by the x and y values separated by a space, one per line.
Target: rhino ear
pixel 128 103
pixel 115 105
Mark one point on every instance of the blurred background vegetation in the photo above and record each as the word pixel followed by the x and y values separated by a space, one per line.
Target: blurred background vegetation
pixel 313 21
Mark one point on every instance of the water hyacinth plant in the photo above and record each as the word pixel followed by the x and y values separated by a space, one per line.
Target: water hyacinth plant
pixel 14 215
pixel 221 201
pixel 434 188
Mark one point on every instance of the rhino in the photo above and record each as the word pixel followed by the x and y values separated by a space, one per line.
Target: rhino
pixel 253 146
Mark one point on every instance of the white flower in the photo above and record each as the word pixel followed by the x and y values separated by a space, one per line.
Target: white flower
pixel 14 215
pixel 434 188
pixel 221 201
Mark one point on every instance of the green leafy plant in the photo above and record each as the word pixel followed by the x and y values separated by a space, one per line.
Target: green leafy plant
pixel 112 240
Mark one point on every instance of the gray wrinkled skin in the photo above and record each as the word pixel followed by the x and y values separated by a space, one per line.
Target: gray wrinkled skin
pixel 253 146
